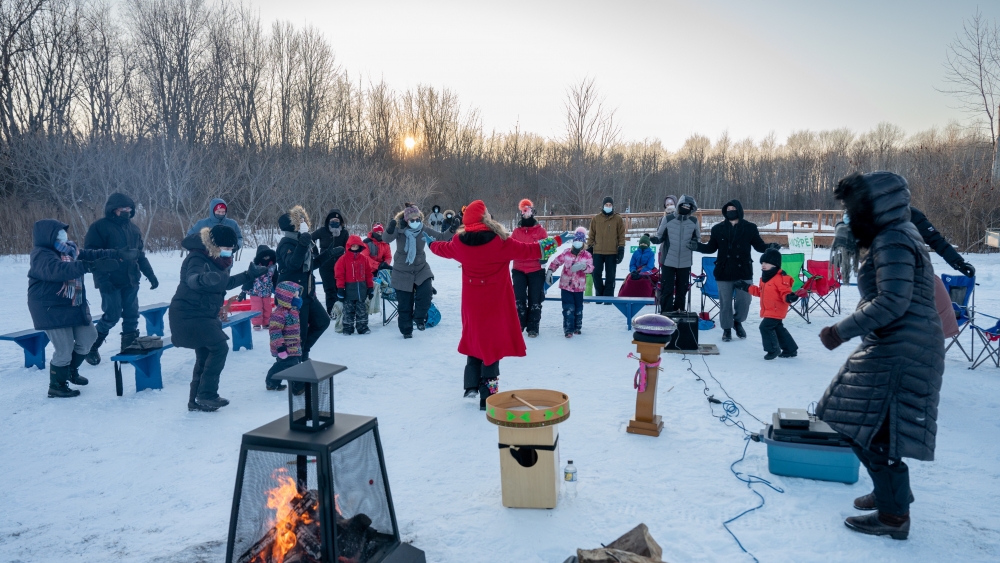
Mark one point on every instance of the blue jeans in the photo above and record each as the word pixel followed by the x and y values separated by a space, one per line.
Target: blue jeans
pixel 572 305
pixel 119 304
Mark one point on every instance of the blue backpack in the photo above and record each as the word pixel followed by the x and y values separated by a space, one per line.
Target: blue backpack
pixel 433 316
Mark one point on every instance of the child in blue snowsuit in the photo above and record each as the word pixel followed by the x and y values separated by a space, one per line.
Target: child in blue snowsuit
pixel 643 260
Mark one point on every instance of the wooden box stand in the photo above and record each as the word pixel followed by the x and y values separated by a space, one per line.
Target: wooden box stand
pixel 529 445
pixel 646 421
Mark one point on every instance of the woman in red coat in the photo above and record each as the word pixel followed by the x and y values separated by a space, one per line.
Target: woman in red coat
pixel 490 326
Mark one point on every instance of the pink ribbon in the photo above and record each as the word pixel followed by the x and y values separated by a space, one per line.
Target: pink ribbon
pixel 639 381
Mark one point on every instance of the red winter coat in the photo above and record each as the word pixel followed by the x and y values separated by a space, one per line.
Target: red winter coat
pixel 772 295
pixel 354 267
pixel 528 235
pixel 384 253
pixel 490 327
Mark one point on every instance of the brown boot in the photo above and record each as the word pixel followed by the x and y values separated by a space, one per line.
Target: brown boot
pixel 867 502
pixel 881 524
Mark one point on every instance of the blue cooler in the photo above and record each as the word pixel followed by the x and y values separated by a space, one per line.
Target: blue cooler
pixel 812 454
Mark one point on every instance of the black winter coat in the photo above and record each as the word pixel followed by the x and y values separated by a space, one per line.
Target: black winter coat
pixel 194 309
pixel 933 238
pixel 47 274
pixel 733 243
pixel 327 241
pixel 294 252
pixel 895 373
pixel 115 233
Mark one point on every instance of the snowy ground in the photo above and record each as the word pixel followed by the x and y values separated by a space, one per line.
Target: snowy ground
pixel 139 478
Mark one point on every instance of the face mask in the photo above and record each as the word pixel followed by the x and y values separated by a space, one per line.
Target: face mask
pixel 220 215
pixel 448 216
pixel 527 213
pixel 335 224
pixel 415 225
pixel 61 236
pixel 847 220
pixel 732 215
pixel 578 244
pixel 225 253
pixel 377 236
pixel 671 208
pixel 685 210
pixel 608 209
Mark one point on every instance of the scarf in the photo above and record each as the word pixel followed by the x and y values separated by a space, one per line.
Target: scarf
pixel 768 274
pixel 71 289
pixel 335 231
pixel 411 243
pixel 307 263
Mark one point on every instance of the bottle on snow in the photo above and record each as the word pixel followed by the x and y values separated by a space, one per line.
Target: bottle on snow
pixel 569 479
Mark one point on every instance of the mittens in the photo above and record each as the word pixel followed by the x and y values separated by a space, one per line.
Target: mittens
pixel 967 269
pixel 692 244
pixel 548 246
pixel 392 227
pixel 153 282
pixel 341 294
pixel 831 339
pixel 621 255
pixel 242 297
pixel 297 302
pixel 791 298
pixel 578 266
pixel 427 238
pixel 741 285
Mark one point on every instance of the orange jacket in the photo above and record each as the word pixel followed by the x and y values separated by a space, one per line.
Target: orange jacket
pixel 772 295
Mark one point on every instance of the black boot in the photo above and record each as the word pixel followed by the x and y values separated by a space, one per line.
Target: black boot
pixel 58 375
pixel 74 370
pixel 879 524
pixel 94 357
pixel 727 335
pixel 522 314
pixel 128 338
pixel 739 329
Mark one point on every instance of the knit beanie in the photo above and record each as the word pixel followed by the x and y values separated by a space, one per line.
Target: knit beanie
pixel 377 228
pixel 580 234
pixel 644 240
pixel 472 220
pixel 412 213
pixel 771 256
pixel 607 200
pixel 223 236
pixel 285 223
pixel 219 206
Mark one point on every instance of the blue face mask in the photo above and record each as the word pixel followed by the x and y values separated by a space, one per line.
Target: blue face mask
pixel 577 244
pixel 225 253
pixel 61 236
pixel 847 220
pixel 415 225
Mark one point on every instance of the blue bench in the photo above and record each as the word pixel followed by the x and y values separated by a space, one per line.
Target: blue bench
pixel 242 331
pixel 33 342
pixel 147 368
pixel 154 317
pixel 629 306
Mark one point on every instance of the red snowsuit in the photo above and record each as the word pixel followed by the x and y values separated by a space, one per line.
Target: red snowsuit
pixel 490 327
pixel 772 295
pixel 354 269
pixel 384 253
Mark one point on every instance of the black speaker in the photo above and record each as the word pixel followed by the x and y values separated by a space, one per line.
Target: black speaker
pixel 686 335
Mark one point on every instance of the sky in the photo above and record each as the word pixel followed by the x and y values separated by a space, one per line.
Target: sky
pixel 669 68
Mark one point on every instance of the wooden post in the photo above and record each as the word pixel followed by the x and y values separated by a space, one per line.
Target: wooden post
pixel 646 421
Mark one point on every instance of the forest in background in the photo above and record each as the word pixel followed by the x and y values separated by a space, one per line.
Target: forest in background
pixel 175 102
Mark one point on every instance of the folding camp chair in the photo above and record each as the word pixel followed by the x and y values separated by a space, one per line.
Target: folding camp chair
pixel 384 279
pixel 709 288
pixel 823 287
pixel 962 290
pixel 990 339
pixel 793 265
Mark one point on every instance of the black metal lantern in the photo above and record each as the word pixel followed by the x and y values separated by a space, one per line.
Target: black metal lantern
pixel 310 395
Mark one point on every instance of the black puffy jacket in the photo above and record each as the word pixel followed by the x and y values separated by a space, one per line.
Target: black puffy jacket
pixel 115 233
pixel 733 243
pixel 895 373
pixel 934 239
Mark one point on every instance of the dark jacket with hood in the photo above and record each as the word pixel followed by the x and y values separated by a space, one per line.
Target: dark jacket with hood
pixel 194 309
pixel 298 256
pixel 114 233
pixel 327 240
pixel 894 376
pixel 673 234
pixel 733 243
pixel 48 273
pixel 934 239
pixel 265 257
pixel 212 221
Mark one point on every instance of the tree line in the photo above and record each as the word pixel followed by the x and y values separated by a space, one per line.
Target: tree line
pixel 175 102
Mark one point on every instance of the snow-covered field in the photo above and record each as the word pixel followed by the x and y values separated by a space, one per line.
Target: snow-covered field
pixel 139 478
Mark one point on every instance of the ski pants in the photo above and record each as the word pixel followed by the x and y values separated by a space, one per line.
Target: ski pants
pixel 355 316
pixel 120 304
pixel 776 338
pixel 673 288
pixel 413 305
pixel 479 375
pixel 313 322
pixel 208 364
pixel 572 306
pixel 279 366
pixel 529 292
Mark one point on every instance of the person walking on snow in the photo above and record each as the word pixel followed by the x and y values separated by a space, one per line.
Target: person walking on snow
pixel 411 275
pixel 606 242
pixel 884 400
pixel 218 214
pixel 490 327
pixel 261 289
pixel 119 288
pixel 527 275
pixel 57 299
pixel 677 229
pixel 775 293
pixel 355 285
pixel 194 310
pixel 285 333
pixel 732 239
pixel 436 219
pixel 576 264
pixel 331 234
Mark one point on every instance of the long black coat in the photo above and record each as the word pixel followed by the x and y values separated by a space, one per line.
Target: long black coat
pixel 895 373
pixel 194 309
pixel 47 274
pixel 327 242
pixel 733 243
pixel 115 233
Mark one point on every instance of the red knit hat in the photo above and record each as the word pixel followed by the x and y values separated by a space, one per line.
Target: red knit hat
pixel 377 228
pixel 472 220
pixel 217 206
pixel 524 204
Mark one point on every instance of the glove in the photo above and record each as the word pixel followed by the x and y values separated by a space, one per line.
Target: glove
pixel 371 293
pixel 427 238
pixel 548 246
pixel 305 239
pixel 153 282
pixel 282 352
pixel 741 285
pixel 774 246
pixel 791 298
pixel 578 266
pixel 340 293
pixel 621 254
pixel 303 227
pixel 337 251
pixel 830 337
pixel 242 296
pixel 297 302
pixel 634 275
pixel 548 278
pixel 692 244
pixel 254 271
pixel 128 254
pixel 967 269
pixel 392 227
pixel 102 265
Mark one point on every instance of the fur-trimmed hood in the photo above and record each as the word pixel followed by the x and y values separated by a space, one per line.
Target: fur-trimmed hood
pixel 447 211
pixel 874 201
pixel 289 222
pixel 495 227
pixel 202 240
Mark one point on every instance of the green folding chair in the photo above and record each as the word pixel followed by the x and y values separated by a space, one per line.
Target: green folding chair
pixel 794 265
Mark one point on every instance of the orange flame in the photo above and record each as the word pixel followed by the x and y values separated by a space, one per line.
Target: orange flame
pixel 286 520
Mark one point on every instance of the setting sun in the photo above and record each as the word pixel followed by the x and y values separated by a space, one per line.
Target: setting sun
pixel 409 142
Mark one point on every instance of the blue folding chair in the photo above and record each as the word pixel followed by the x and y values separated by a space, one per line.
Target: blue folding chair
pixel 962 290
pixel 709 287
pixel 990 339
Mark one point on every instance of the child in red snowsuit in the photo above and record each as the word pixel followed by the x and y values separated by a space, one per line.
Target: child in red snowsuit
pixel 355 285
pixel 775 293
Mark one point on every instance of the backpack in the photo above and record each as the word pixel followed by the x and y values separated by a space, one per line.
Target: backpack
pixel 433 316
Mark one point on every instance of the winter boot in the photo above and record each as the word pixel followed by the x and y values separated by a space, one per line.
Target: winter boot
pixel 421 326
pixel 532 334
pixel 727 335
pixel 277 387
pixel 128 338
pixel 739 329
pixel 74 370
pixel 788 354
pixel 487 387
pixel 407 335
pixel 214 404
pixel 194 406
pixel 569 335
pixel 94 357
pixel 867 502
pixel 58 375
pixel 364 330
pixel 771 355
pixel 879 524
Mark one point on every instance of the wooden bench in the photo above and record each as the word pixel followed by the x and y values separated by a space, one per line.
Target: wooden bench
pixel 33 342
pixel 242 331
pixel 154 317
pixel 629 306
pixel 147 368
